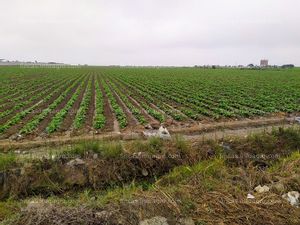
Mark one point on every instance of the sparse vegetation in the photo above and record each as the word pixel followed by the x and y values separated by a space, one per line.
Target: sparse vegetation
pixel 7 161
pixel 212 189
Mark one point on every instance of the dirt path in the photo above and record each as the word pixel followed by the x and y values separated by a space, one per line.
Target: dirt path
pixel 209 131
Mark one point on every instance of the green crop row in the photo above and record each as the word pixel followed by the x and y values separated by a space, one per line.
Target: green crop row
pixel 59 117
pixel 135 111
pixel 31 126
pixel 33 98
pixel 99 119
pixel 84 106
pixel 19 116
pixel 16 119
pixel 152 112
pixel 121 117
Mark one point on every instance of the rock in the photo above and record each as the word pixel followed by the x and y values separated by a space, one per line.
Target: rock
pixel 75 173
pixel 76 162
pixel 149 127
pixel 186 221
pixel 226 148
pixel 145 172
pixel 292 197
pixel 34 205
pixel 163 133
pixel 158 220
pixel 16 137
pixel 150 133
pixel 297 119
pixel 260 189
pixel 250 196
pixel 95 156
pixel 74 176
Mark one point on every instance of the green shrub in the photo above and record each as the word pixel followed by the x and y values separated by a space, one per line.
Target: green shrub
pixel 155 143
pixel 181 144
pixel 7 160
pixel 111 150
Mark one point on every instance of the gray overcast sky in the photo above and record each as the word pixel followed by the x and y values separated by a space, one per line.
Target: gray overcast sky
pixel 151 32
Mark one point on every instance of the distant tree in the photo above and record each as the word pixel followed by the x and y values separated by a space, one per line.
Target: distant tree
pixel 286 66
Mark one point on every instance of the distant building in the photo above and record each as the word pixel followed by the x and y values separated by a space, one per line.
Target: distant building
pixel 264 63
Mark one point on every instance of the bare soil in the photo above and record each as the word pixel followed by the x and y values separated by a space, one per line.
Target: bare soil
pixel 149 118
pixel 132 121
pixel 207 131
pixel 68 121
pixel 108 113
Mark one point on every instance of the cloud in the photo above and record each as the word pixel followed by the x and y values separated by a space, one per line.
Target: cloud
pixel 151 32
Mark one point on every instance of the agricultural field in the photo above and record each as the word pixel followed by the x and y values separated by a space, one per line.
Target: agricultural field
pixel 74 149
pixel 46 102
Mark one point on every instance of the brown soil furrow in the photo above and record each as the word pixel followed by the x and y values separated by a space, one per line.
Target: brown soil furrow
pixel 68 121
pixel 140 98
pixel 170 103
pixel 42 126
pixel 14 129
pixel 110 118
pixel 132 121
pixel 91 111
pixel 148 117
